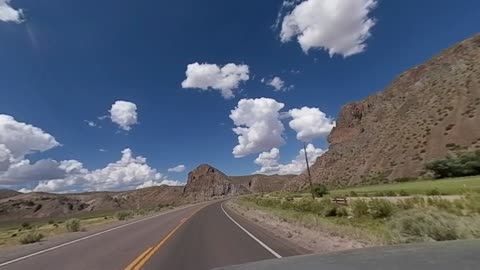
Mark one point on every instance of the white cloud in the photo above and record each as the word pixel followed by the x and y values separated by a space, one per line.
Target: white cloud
pixel 102 150
pixel 91 123
pixel 337 26
pixel 124 114
pixel 22 139
pixel 270 161
pixel 152 183
pixel 6 158
pixel 129 172
pixel 10 14
pixel 25 190
pixel 177 169
pixel 258 125
pixel 211 76
pixel 277 83
pixel 25 171
pixel 18 140
pixel 310 123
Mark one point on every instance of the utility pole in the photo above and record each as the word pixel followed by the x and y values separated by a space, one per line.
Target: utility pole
pixel 308 170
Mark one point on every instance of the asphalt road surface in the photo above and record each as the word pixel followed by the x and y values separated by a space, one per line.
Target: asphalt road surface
pixel 458 255
pixel 198 237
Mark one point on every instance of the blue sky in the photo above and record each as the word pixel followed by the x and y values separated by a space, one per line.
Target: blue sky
pixel 65 62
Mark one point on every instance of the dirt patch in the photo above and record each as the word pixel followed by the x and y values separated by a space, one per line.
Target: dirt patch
pixel 318 239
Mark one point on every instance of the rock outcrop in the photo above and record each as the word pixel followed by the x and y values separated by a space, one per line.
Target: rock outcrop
pixel 426 113
pixel 208 182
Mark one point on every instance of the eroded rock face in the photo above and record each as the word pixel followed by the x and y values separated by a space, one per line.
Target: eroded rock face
pixel 207 181
pixel 427 112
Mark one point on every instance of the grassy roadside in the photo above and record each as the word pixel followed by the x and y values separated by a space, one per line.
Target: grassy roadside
pixel 29 231
pixel 448 186
pixel 413 219
pixel 367 231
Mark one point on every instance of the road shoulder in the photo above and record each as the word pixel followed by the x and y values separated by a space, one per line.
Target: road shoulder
pixel 281 245
pixel 304 240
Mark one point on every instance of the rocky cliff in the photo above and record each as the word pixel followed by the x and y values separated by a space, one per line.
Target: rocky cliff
pixel 427 112
pixel 207 182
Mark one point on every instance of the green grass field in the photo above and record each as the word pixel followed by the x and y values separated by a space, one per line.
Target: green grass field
pixel 449 186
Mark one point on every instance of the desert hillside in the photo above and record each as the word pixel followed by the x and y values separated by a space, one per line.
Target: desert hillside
pixel 426 113
pixel 204 182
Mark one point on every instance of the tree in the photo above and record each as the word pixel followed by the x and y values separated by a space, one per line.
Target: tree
pixel 318 190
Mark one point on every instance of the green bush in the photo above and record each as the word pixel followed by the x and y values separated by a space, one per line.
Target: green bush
pixel 327 208
pixel 26 226
pixel 463 164
pixel 307 205
pixel 404 179
pixel 433 192
pixel 319 190
pixel 31 237
pixel 342 211
pixel 390 193
pixel 359 208
pixel 423 224
pixel 403 193
pixel 353 194
pixel 124 215
pixel 73 225
pixel 51 222
pixel 380 208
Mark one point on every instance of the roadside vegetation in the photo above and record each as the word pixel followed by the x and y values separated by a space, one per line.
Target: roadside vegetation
pixel 32 231
pixel 448 186
pixel 415 217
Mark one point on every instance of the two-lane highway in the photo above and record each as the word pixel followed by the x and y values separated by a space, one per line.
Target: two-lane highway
pixel 200 237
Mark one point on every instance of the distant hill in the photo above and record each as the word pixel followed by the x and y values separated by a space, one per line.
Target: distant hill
pixel 6 193
pixel 43 205
pixel 426 113
pixel 203 183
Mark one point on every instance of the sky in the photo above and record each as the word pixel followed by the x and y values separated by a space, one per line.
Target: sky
pixel 116 95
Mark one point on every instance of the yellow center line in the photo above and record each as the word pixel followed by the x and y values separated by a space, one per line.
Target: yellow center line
pixel 137 260
pixel 140 261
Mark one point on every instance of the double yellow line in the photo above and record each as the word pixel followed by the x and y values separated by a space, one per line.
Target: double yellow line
pixel 140 261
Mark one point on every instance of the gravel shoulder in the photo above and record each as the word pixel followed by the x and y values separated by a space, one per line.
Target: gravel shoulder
pixel 319 239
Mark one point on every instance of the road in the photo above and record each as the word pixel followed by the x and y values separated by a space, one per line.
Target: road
pixel 198 237
pixel 459 255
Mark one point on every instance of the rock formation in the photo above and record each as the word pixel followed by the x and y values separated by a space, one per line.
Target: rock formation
pixel 426 113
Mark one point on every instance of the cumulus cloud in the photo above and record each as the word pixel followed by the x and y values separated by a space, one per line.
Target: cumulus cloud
pixel 337 26
pixel 10 14
pixel 18 140
pixel 130 172
pixel 211 76
pixel 270 161
pixel 152 183
pixel 258 125
pixel 22 139
pixel 310 123
pixel 6 158
pixel 277 83
pixel 124 114
pixel 25 171
pixel 177 169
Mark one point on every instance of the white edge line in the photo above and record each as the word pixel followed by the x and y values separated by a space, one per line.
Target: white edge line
pixel 86 237
pixel 251 235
